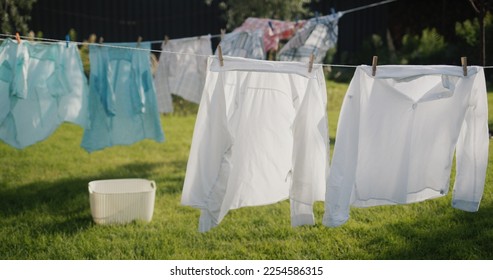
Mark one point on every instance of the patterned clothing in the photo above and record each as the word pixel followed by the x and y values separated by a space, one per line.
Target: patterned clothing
pixel 273 32
pixel 317 36
pixel 243 44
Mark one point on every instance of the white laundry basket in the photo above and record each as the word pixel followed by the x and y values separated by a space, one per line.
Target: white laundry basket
pixel 121 201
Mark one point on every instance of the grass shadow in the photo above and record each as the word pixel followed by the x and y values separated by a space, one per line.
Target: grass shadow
pixel 453 235
pixel 63 205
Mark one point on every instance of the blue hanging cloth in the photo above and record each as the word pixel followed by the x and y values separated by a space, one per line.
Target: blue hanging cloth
pixel 122 104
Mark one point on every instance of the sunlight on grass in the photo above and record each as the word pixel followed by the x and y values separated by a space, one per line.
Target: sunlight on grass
pixel 44 209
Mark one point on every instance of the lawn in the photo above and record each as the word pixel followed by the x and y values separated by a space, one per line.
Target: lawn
pixel 44 210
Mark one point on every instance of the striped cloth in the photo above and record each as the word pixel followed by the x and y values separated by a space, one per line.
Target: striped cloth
pixel 317 36
pixel 243 44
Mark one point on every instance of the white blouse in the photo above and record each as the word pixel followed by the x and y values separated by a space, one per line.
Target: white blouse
pixel 397 134
pixel 261 136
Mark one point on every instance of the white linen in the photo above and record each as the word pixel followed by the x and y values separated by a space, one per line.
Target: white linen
pixel 396 137
pixel 261 136
pixel 181 70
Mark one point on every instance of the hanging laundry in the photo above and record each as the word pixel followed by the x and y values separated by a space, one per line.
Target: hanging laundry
pixel 247 44
pixel 261 136
pixel 122 99
pixel 317 36
pixel 181 71
pixel 397 134
pixel 74 107
pixel 273 30
pixel 41 86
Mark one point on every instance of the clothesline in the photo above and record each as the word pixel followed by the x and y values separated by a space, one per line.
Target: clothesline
pixel 181 53
pixel 366 7
pixel 54 41
pixel 210 36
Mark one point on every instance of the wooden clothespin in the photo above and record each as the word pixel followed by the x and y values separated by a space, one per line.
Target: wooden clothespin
pixel 223 33
pixel 18 37
pixel 374 65
pixel 463 61
pixel 220 54
pixel 139 40
pixel 166 39
pixel 310 64
pixel 101 40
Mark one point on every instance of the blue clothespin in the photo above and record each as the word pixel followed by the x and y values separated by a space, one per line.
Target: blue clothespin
pixel 271 28
pixel 332 11
pixel 67 39
pixel 316 16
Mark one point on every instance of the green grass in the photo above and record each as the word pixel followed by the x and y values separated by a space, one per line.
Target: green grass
pixel 44 210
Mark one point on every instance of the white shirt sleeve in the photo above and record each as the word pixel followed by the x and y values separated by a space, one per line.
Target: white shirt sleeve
pixel 472 150
pixel 344 161
pixel 310 153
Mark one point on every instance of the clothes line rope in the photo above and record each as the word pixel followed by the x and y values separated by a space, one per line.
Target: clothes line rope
pixel 210 36
pixel 367 7
pixel 181 53
pixel 55 41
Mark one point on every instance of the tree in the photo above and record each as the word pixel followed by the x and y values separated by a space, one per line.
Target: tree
pixel 236 11
pixel 481 7
pixel 14 15
pixel 469 34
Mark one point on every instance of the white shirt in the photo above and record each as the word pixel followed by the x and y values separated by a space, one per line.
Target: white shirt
pixel 397 134
pixel 260 137
pixel 181 70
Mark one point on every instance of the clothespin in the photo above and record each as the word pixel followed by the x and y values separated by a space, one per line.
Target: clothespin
pixel 166 39
pixel 296 22
pixel 18 37
pixel 316 16
pixel 101 40
pixel 463 61
pixel 374 65
pixel 220 54
pixel 139 40
pixel 310 64
pixel 223 33
pixel 271 32
pixel 67 40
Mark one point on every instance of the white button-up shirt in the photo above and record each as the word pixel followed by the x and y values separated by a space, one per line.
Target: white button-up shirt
pixel 397 134
pixel 260 137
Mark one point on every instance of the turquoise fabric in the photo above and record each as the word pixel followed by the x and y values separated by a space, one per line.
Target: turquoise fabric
pixel 37 90
pixel 122 99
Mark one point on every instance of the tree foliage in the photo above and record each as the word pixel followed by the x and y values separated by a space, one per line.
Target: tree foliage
pixel 469 34
pixel 236 11
pixel 15 15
